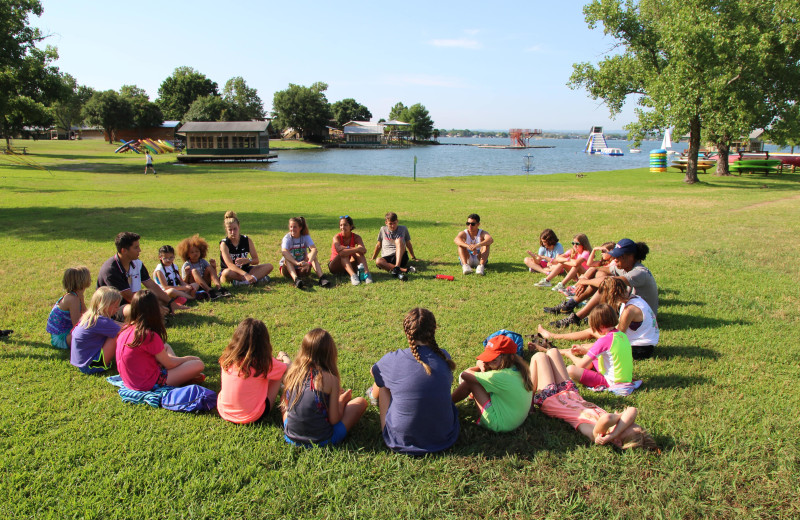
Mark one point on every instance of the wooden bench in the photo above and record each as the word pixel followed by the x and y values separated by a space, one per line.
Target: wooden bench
pixel 16 149
pixel 701 167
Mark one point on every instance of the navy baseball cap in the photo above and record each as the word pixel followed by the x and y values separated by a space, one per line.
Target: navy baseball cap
pixel 626 246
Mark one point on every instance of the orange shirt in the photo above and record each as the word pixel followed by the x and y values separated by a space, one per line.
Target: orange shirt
pixel 243 400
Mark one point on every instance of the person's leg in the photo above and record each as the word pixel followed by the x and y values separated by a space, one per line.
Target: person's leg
pixel 184 372
pixel 353 410
pixel 384 400
pixel 211 278
pixel 593 301
pixel 533 265
pixel 571 275
pixel 541 371
pixel 361 260
pixel 586 376
pixel 581 335
pixel 463 255
pixel 317 267
pixel 337 265
pixel 261 270
pixel 109 350
pixel 484 255
pixel 289 271
pixel 400 255
pixel 555 270
pixel 175 293
pixel 557 365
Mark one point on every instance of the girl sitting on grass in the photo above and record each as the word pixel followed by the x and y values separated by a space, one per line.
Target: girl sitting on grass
pixel 549 249
pixel 575 257
pixel 300 254
pixel 347 253
pixel 412 387
pixel 500 384
pixel 196 269
pixel 68 309
pixel 591 269
pixel 169 279
pixel 251 377
pixel 558 398
pixel 610 357
pixel 94 339
pixel 237 253
pixel 144 359
pixel 317 411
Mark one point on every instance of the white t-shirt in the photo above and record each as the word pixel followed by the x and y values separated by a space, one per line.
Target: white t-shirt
pixel 297 247
pixel 170 273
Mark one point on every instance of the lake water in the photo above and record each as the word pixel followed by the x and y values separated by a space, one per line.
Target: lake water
pixel 453 159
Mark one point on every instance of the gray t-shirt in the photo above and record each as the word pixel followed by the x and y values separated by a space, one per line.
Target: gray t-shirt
pixel 201 266
pixel 387 238
pixel 643 283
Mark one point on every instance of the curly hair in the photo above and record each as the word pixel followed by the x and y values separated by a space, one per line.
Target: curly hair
pixel 548 236
pixel 613 291
pixel 420 328
pixel 187 244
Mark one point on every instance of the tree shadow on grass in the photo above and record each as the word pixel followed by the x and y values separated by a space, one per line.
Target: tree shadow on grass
pixel 672 321
pixel 674 381
pixel 791 182
pixel 685 351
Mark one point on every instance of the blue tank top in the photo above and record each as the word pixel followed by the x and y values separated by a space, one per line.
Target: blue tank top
pixel 307 421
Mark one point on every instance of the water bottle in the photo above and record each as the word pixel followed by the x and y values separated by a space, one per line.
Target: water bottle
pixel 362 275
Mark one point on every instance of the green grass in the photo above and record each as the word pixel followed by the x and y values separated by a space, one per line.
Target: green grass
pixel 280 144
pixel 721 395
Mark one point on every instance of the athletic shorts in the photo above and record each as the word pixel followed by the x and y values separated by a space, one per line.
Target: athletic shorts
pixel 97 364
pixel 592 379
pixel 339 433
pixel 393 258
pixel 642 351
pixel 162 377
pixel 59 341
pixel 473 261
pixel 551 390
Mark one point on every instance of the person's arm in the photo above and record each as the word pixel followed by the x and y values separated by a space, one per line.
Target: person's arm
pixel 312 254
pixel 629 315
pixel 74 304
pixel 160 278
pixel 377 250
pixel 168 361
pixel 487 240
pixel 620 423
pixel 360 247
pixel 591 262
pixel 331 386
pixel 580 362
pixel 253 253
pixel 337 246
pixel 230 263
pixel 410 250
pixel 459 240
pixel 158 291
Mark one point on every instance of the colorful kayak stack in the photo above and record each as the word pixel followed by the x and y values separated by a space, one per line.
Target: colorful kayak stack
pixel 140 145
pixel 658 160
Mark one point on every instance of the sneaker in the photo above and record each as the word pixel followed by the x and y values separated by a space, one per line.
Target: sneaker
pixel 214 294
pixel 466 269
pixel 480 270
pixel 368 396
pixel 396 272
pixel 202 296
pixel 565 307
pixel 299 283
pixel 264 279
pixel 411 269
pixel 354 279
pixel 572 319
pixel 558 287
pixel 530 269
pixel 223 292
pixel 239 283
pixel 402 277
pixel 544 282
pixel 367 278
pixel 324 282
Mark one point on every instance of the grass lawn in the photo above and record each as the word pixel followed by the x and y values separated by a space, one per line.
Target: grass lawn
pixel 720 396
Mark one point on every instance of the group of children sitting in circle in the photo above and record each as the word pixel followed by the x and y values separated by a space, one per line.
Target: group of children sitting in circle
pixel 412 386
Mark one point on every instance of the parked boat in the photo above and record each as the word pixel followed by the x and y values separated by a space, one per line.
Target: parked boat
pixel 634 150
pixel 611 151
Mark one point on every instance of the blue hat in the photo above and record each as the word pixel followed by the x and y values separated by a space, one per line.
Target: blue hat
pixel 626 246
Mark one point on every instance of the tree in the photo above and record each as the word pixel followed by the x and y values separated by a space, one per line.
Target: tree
pixel 349 110
pixel 66 110
pixel 243 101
pixel 421 123
pixel 210 108
pixel 27 80
pixel 178 91
pixel 729 65
pixel 109 111
pixel 396 112
pixel 305 109
pixel 146 114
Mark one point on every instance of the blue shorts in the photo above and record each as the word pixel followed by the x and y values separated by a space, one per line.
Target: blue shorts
pixel 97 364
pixel 339 433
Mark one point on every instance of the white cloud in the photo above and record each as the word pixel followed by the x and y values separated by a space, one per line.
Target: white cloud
pixel 461 43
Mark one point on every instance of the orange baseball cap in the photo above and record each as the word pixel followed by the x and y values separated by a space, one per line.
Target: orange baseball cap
pixel 498 345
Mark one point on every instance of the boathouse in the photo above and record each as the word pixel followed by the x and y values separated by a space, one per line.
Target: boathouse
pixel 362 132
pixel 225 141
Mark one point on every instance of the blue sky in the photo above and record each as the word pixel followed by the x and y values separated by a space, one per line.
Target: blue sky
pixel 489 65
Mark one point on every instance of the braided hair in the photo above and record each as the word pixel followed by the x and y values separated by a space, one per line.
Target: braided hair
pixel 420 328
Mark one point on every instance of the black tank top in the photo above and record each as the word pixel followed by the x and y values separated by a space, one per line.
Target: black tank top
pixel 241 251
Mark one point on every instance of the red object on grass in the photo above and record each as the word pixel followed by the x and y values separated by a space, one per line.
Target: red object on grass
pixel 445 277
pixel 180 300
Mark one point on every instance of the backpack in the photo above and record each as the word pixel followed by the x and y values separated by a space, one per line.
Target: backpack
pixel 191 398
pixel 513 336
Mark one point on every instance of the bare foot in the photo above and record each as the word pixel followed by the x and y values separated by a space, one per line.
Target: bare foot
pixel 546 335
pixel 283 356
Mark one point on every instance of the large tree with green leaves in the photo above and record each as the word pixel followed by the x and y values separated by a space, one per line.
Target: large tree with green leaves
pixel 243 101
pixel 396 112
pixel 305 109
pixel 28 81
pixel 692 64
pixel 146 114
pixel 178 91
pixel 420 120
pixel 66 110
pixel 109 111
pixel 349 110
pixel 211 108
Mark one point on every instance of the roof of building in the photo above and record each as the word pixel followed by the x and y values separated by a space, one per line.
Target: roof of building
pixel 225 126
pixel 358 123
pixel 170 124
pixel 394 122
pixel 371 129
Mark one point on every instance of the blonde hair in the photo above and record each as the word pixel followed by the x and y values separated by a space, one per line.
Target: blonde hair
pixel 640 439
pixel 420 328
pixel 102 299
pixel 613 291
pixel 317 353
pixel 230 217
pixel 76 279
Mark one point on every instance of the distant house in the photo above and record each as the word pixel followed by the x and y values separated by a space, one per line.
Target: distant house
pixel 234 140
pixel 749 143
pixel 166 131
pixel 362 132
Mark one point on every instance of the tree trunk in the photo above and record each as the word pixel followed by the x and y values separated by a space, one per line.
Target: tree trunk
pixel 723 150
pixel 694 147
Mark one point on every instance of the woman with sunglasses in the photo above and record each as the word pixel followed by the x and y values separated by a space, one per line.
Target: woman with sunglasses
pixel 576 256
pixel 347 253
pixel 473 246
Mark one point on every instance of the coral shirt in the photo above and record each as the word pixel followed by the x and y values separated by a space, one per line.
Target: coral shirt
pixel 242 400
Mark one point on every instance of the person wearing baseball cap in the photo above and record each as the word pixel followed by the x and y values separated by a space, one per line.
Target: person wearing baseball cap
pixel 500 384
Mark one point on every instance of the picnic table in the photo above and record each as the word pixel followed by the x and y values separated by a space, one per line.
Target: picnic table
pixel 701 166
pixel 16 149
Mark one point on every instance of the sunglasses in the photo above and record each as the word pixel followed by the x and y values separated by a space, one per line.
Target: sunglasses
pixel 576 243
pixel 472 223
pixel 344 216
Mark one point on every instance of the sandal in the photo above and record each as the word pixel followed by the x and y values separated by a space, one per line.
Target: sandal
pixel 539 343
